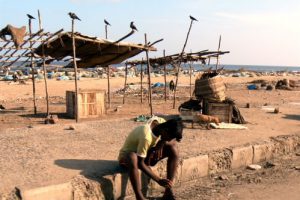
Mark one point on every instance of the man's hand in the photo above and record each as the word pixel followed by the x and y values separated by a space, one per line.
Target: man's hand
pixel 165 183
pixel 159 149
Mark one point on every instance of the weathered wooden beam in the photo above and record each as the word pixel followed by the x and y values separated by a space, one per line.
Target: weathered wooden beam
pixel 149 77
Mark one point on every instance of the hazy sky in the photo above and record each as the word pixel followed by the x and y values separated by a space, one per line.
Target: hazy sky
pixel 256 32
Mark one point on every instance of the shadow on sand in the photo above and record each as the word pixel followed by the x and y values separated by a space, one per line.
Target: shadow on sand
pixel 293 117
pixel 44 115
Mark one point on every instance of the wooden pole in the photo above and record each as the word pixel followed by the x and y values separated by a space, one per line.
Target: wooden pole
pixel 176 83
pixel 191 63
pixel 105 31
pixel 45 79
pixel 75 70
pixel 180 59
pixel 40 20
pixel 32 71
pixel 108 86
pixel 218 54
pixel 165 76
pixel 44 66
pixel 142 71
pixel 149 77
pixel 125 82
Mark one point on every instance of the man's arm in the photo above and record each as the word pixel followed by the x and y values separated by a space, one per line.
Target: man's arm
pixel 148 171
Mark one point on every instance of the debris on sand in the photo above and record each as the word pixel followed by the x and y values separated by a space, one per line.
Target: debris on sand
pixel 269 165
pixel 51 119
pixel 254 167
pixel 71 127
pixel 276 110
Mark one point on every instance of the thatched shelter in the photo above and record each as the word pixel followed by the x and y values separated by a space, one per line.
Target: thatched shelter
pixel 90 51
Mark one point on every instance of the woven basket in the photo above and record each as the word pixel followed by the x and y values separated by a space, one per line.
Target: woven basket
pixel 211 88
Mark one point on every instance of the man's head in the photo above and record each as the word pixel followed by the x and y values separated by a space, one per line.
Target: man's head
pixel 171 129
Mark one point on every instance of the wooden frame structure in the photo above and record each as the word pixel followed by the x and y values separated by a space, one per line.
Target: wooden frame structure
pixel 175 60
pixel 24 56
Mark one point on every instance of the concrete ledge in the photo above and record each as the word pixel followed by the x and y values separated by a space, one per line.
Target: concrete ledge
pixel 263 152
pixel 90 188
pixel 241 156
pixel 54 192
pixel 193 168
pixel 117 186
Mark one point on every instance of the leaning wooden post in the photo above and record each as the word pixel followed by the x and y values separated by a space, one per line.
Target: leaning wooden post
pixel 125 82
pixel 45 78
pixel 180 59
pixel 108 86
pixel 75 70
pixel 149 76
pixel 191 63
pixel 165 75
pixel 177 66
pixel 32 70
pixel 218 53
pixel 142 80
pixel 44 66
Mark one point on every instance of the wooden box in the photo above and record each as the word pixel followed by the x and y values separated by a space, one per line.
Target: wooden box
pixel 91 103
pixel 221 110
pixel 188 115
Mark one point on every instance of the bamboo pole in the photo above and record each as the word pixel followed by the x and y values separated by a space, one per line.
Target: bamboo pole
pixel 218 54
pixel 40 20
pixel 142 81
pixel 44 66
pixel 180 59
pixel 191 63
pixel 165 75
pixel 32 70
pixel 105 31
pixel 45 79
pixel 108 86
pixel 125 82
pixel 75 70
pixel 149 77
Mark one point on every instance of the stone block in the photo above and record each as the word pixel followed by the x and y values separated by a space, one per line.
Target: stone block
pixel 262 152
pixel 241 157
pixel 194 167
pixel 53 192
pixel 121 185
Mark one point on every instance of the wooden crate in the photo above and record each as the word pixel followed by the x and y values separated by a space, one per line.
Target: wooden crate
pixel 91 103
pixel 221 110
pixel 188 115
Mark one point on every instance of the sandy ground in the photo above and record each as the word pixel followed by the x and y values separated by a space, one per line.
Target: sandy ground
pixel 38 155
pixel 279 182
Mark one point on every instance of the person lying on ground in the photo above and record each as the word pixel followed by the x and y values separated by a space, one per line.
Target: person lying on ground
pixel 145 146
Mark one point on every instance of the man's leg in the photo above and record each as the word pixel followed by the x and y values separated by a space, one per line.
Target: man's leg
pixel 170 151
pixel 134 176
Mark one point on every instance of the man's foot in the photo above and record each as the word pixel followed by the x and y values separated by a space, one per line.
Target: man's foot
pixel 168 195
